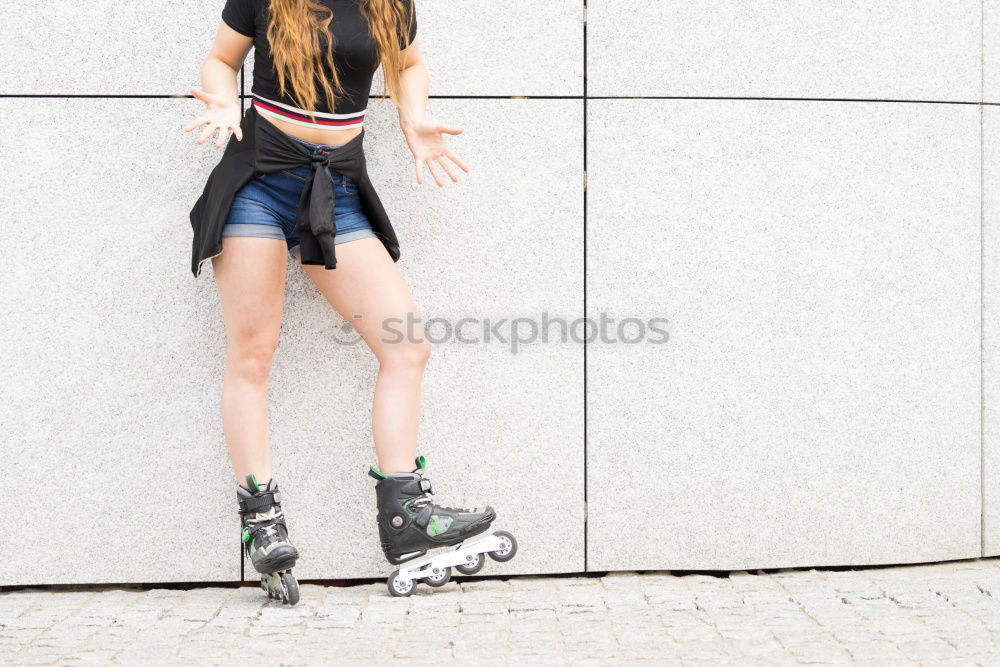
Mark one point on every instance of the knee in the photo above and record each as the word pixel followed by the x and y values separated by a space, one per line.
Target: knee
pixel 250 358
pixel 411 356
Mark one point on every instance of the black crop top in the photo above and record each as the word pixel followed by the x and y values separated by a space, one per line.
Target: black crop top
pixel 354 54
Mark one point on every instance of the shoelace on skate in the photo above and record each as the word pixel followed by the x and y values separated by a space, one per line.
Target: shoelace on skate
pixel 428 498
pixel 269 517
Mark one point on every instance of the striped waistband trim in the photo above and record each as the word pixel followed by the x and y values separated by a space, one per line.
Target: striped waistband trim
pixel 333 121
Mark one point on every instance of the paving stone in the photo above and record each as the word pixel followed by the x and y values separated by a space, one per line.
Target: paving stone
pixel 937 614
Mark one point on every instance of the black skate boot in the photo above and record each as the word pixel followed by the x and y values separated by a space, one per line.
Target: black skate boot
pixel 265 539
pixel 410 523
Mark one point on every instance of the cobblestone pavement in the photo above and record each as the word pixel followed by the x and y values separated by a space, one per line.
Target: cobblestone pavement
pixel 945 613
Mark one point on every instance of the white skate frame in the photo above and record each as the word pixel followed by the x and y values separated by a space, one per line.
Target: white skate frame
pixel 433 565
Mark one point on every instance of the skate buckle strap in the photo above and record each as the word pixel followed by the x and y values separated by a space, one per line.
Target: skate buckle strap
pixel 261 501
pixel 423 517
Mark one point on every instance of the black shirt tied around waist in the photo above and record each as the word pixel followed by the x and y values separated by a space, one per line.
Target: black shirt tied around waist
pixel 316 219
pixel 265 149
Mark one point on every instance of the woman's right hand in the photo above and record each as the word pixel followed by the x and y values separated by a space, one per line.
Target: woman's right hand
pixel 221 113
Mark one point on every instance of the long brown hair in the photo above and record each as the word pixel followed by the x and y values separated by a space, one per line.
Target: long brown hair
pixel 301 43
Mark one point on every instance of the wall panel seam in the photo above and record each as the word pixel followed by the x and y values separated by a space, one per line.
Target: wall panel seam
pixel 982 279
pixel 586 506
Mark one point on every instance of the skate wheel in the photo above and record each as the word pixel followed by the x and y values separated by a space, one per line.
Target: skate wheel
pixel 399 588
pixel 507 549
pixel 475 564
pixel 289 588
pixel 268 583
pixel 440 579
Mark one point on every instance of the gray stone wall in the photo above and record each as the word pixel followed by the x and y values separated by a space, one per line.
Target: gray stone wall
pixel 807 193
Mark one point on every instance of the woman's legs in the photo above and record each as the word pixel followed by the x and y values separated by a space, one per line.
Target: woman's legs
pixel 250 274
pixel 367 289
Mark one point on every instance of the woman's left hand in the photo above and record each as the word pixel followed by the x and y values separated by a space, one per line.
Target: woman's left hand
pixel 427 143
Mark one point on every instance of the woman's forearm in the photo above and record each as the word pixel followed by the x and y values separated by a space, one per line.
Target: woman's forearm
pixel 219 78
pixel 414 87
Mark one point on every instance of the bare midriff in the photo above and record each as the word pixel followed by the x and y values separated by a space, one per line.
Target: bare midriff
pixel 317 135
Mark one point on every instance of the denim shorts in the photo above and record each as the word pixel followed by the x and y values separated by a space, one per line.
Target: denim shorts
pixel 267 206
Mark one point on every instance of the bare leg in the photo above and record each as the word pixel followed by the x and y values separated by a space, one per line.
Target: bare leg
pixel 366 289
pixel 250 274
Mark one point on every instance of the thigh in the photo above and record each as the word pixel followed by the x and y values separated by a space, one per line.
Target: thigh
pixel 250 274
pixel 368 290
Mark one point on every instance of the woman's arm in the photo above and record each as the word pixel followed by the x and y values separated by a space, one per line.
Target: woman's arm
pixel 424 137
pixel 219 91
pixel 223 62
pixel 414 86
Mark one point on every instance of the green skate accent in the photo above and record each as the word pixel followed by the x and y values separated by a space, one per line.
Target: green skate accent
pixel 421 463
pixel 251 483
pixel 246 534
pixel 377 472
pixel 406 506
pixel 438 524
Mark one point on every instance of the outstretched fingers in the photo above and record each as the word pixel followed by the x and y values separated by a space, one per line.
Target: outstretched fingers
pixel 209 131
pixel 447 169
pixel 205 134
pixel 454 158
pixel 430 168
pixel 200 120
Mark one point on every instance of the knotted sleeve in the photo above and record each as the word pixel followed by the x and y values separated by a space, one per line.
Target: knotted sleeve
pixel 316 221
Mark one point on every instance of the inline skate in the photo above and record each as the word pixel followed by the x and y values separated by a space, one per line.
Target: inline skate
pixel 265 539
pixel 410 523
